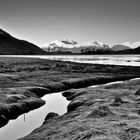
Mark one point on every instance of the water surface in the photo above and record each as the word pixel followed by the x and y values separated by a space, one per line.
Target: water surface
pixel 130 60
pixel 18 128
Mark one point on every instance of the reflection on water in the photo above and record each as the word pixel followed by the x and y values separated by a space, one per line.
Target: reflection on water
pixel 18 128
pixel 130 60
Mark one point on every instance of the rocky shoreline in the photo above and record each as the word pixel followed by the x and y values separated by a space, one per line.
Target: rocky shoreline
pixel 23 81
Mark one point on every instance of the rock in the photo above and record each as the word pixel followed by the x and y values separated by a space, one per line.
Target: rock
pixel 39 91
pixel 73 83
pixel 15 98
pixel 3 120
pixel 117 100
pixel 135 132
pixel 51 115
pixel 137 92
pixel 68 93
pixel 55 86
pixel 13 110
pixel 100 111
pixel 71 94
pixel 74 104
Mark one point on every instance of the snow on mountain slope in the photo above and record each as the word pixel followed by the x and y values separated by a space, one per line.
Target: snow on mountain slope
pixel 95 44
pixel 132 45
pixel 73 47
pixel 70 46
pixel 65 43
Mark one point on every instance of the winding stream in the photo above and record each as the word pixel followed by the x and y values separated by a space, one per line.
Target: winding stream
pixel 24 125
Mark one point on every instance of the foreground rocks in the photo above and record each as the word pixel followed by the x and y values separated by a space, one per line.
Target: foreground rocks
pixel 107 112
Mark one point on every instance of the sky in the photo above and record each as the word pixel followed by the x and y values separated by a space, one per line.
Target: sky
pixel 43 21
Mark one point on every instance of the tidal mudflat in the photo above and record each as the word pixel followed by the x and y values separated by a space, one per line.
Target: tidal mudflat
pixel 108 112
pixel 23 81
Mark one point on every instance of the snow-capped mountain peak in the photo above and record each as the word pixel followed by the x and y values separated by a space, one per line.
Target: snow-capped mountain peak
pixel 98 43
pixel 132 44
pixel 65 43
pixel 95 44
pixel 71 46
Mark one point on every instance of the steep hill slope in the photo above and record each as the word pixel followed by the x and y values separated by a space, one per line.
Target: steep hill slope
pixel 13 46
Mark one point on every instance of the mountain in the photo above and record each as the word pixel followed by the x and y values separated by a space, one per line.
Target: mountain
pixel 132 45
pixel 13 46
pixel 120 47
pixel 130 51
pixel 70 46
pixel 64 46
pixel 94 47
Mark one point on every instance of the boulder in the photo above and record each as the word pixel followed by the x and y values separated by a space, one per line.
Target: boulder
pixel 39 91
pixel 137 92
pixel 55 86
pixel 74 104
pixel 51 115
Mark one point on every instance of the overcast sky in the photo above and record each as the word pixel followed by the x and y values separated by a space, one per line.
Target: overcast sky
pixel 43 21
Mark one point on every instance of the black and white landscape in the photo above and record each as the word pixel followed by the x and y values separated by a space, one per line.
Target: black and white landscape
pixel 69 70
pixel 13 46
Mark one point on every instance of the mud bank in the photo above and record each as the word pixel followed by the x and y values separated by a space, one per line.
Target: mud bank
pixel 25 124
pixel 24 81
pixel 17 102
pixel 22 100
pixel 105 112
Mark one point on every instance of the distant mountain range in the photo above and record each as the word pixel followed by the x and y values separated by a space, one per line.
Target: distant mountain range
pixel 132 45
pixel 10 45
pixel 130 51
pixel 13 46
pixel 120 48
pixel 70 46
pixel 66 46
